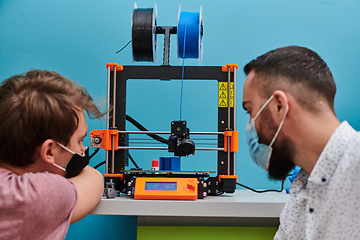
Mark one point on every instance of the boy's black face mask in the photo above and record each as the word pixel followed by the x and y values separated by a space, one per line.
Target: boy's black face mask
pixel 76 163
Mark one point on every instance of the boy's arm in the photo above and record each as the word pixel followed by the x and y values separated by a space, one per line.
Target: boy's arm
pixel 90 188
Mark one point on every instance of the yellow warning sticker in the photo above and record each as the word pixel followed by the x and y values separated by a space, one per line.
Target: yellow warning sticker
pixel 223 94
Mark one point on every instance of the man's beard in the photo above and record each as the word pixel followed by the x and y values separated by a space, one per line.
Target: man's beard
pixel 283 150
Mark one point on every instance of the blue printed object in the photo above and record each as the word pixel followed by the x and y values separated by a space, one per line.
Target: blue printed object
pixel 169 164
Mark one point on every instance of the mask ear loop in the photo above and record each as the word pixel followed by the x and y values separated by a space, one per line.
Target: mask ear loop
pixel 252 121
pixel 65 148
pixel 59 167
pixel 280 126
pixel 82 154
pixel 264 106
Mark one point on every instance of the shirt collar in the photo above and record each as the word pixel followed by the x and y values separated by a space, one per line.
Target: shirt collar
pixel 327 162
pixel 299 182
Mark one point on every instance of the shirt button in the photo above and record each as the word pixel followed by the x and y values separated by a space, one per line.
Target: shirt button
pixel 323 179
pixel 311 210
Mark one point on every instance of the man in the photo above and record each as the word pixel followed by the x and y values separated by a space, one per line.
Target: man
pixel 289 94
pixel 42 125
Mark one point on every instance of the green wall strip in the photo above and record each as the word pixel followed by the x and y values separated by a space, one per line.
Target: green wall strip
pixel 204 233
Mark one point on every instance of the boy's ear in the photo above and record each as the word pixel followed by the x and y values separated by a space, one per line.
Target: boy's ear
pixel 48 150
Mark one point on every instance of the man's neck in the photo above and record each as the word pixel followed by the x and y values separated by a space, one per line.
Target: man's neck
pixel 312 135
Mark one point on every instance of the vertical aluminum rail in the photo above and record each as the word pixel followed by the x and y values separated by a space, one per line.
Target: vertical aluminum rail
pixel 229 119
pixel 113 124
pixel 229 122
pixel 234 168
pixel 107 117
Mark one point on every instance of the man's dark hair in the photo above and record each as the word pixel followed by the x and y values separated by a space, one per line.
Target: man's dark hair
pixel 297 70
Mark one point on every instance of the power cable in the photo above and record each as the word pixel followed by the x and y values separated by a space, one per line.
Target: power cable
pixel 268 190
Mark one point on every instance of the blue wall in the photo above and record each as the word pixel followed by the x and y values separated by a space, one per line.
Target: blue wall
pixel 77 39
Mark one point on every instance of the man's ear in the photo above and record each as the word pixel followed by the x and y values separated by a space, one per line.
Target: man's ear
pixel 279 106
pixel 48 150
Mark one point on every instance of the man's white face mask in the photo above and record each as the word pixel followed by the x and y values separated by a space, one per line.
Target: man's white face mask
pixel 261 153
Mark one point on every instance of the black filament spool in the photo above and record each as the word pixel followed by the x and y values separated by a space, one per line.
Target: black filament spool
pixel 144 35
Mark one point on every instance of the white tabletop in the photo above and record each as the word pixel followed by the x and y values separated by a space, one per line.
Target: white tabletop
pixel 243 204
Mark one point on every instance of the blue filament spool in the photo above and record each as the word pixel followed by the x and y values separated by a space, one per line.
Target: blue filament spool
pixel 189 35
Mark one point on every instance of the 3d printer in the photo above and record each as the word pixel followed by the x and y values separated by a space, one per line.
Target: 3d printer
pixel 175 185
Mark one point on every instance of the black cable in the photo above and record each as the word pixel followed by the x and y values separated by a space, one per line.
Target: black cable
pixel 142 128
pixel 124 46
pixel 102 163
pixel 269 190
pixel 133 161
pixel 95 152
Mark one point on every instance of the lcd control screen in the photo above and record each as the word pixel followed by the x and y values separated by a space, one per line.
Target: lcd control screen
pixel 161 186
